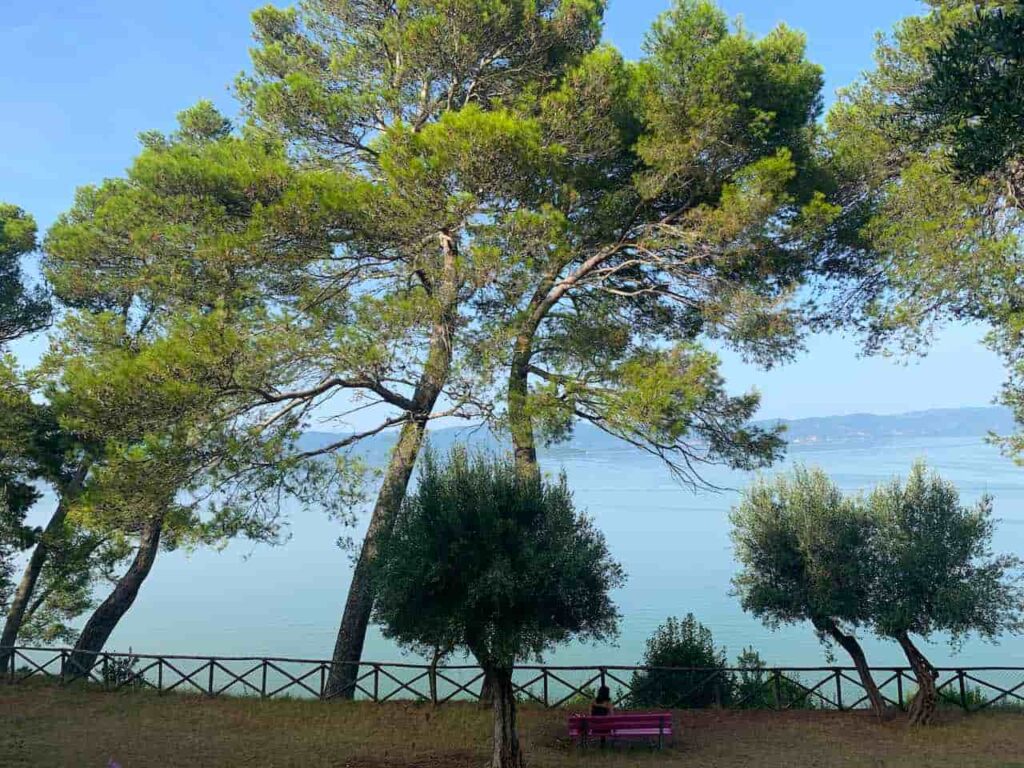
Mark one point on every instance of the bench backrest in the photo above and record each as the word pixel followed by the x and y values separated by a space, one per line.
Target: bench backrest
pixel 631 724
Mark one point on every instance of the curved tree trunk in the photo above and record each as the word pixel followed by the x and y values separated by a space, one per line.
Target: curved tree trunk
pixel 348 648
pixel 27 585
pixel 852 646
pixel 105 618
pixel 922 708
pixel 506 752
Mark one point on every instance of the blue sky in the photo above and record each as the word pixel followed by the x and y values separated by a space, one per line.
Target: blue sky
pixel 83 78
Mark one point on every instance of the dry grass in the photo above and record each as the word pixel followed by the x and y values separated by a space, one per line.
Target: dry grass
pixel 47 726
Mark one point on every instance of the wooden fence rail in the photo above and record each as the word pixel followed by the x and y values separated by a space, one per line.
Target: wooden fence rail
pixel 780 688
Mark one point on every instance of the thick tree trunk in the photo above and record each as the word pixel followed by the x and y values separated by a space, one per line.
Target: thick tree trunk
pixel 520 420
pixel 506 752
pixel 105 618
pixel 852 646
pixel 348 648
pixel 487 691
pixel 922 708
pixel 432 675
pixel 27 585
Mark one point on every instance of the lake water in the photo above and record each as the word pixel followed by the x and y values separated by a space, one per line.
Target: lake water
pixel 674 544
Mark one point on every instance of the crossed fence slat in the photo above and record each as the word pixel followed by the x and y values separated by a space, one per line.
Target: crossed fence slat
pixel 36 668
pixel 574 690
pixel 458 688
pixel 881 689
pixel 1004 693
pixel 807 692
pixel 23 663
pixel 525 688
pixel 354 686
pixel 405 685
pixel 293 681
pixel 183 678
pixel 238 679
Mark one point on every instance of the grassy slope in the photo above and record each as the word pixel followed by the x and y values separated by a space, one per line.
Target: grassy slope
pixel 46 726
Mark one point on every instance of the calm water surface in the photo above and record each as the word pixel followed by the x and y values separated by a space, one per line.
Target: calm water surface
pixel 673 543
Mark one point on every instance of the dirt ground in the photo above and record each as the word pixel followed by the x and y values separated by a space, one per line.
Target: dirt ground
pixel 47 726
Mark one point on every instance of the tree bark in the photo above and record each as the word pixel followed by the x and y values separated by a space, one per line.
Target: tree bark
pixel 852 646
pixel 105 618
pixel 506 751
pixel 520 420
pixel 348 648
pixel 26 586
pixel 922 708
pixel 487 691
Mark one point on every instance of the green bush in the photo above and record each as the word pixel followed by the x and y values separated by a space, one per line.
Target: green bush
pixel 681 643
pixel 705 679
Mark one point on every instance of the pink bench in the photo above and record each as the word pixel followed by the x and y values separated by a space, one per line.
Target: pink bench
pixel 631 726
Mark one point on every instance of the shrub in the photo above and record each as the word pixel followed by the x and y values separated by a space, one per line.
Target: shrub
pixel 681 643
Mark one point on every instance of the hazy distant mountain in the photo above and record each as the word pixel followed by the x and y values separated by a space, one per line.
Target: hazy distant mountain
pixel 824 430
pixel 864 427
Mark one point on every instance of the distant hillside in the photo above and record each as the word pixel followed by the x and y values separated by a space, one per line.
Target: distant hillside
pixel 866 427
pixel 824 430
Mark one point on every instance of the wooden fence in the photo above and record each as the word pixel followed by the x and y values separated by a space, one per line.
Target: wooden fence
pixel 780 688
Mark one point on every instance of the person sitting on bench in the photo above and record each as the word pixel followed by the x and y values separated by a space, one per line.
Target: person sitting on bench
pixel 602 703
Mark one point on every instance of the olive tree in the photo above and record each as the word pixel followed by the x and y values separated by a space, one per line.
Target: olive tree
pixel 483 560
pixel 806 554
pixel 936 573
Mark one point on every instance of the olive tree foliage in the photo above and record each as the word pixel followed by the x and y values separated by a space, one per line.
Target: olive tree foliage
pixel 485 561
pixel 684 209
pixel 937 574
pixel 806 555
pixel 908 559
pixel 931 222
pixel 23 309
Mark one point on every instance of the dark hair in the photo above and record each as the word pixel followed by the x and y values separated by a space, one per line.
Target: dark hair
pixel 603 694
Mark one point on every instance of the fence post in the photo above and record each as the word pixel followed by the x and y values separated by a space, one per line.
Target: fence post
pixel 62 668
pixel 839 690
pixel 777 688
pixel 323 681
pixel 376 683
pixel 899 687
pixel 544 677
pixel 963 690
pixel 263 679
pixel 159 675
pixel 603 673
pixel 106 671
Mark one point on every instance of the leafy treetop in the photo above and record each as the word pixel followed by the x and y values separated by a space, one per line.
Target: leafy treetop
pixel 483 560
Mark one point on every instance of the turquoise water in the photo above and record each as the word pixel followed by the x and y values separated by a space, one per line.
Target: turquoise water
pixel 673 543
